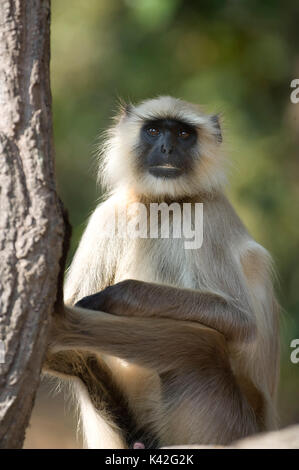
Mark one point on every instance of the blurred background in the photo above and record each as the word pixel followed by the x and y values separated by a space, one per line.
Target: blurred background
pixel 236 57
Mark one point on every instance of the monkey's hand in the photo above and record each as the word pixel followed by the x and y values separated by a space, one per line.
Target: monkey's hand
pixel 101 301
pixel 122 298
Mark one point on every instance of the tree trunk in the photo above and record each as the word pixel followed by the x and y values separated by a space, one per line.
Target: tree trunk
pixel 31 223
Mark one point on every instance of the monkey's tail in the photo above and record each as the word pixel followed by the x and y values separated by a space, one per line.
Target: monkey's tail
pixel 105 416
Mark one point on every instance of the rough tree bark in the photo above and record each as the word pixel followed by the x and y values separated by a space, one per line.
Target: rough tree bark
pixel 31 223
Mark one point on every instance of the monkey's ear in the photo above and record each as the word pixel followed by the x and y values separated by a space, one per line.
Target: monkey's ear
pixel 216 123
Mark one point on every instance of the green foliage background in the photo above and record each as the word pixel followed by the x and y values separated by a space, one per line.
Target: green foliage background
pixel 236 57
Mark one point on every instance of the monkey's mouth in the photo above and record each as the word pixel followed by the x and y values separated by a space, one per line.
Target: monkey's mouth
pixel 165 171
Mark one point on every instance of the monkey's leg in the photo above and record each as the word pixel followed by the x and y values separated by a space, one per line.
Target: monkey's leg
pixel 203 404
pixel 197 382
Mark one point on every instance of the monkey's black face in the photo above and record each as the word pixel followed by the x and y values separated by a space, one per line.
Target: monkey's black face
pixel 167 148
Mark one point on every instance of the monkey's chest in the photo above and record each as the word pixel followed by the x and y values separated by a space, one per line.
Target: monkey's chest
pixel 161 261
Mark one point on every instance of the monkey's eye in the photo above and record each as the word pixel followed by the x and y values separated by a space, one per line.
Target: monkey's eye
pixel 153 131
pixel 183 134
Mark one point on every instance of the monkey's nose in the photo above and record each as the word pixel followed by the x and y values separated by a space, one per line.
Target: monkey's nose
pixel 166 149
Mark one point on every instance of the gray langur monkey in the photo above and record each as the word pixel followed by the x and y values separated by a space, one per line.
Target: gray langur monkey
pixel 162 344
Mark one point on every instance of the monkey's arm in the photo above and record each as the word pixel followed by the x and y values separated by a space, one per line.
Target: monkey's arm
pixel 134 298
pixel 230 311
